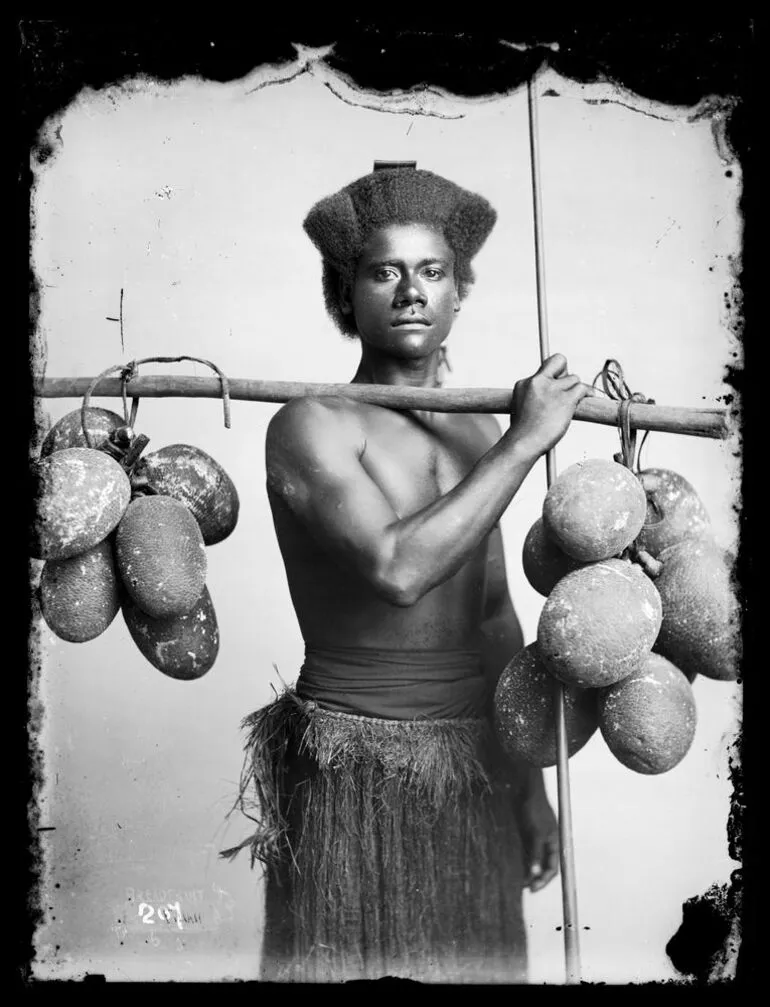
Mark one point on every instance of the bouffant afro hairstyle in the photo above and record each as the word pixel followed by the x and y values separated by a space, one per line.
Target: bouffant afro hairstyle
pixel 339 225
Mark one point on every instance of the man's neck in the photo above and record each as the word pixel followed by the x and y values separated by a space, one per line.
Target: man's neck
pixel 379 369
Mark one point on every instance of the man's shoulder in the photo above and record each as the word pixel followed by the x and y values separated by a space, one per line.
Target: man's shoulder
pixel 310 418
pixel 321 418
pixel 314 409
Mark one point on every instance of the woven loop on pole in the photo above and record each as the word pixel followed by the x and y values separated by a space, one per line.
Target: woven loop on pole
pixel 615 387
pixel 198 360
pixel 130 370
pixel 126 372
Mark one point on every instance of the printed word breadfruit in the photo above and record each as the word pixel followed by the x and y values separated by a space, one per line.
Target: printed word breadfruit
pixel 80 496
pixel 191 476
pixel 183 646
pixel 700 632
pixel 524 711
pixel 68 431
pixel 543 561
pixel 675 512
pixel 598 623
pixel 79 597
pixel 594 509
pixel 161 557
pixel 648 720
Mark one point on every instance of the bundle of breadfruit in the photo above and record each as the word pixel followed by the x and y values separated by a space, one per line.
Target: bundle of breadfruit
pixel 122 533
pixel 639 600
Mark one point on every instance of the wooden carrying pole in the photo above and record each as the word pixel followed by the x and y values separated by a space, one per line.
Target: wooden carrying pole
pixel 664 419
pixel 566 843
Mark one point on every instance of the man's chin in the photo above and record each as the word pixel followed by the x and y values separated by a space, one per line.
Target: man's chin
pixel 412 343
pixel 420 340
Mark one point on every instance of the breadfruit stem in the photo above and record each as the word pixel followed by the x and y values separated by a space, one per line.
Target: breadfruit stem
pixel 122 437
pixel 651 566
pixel 138 444
pixel 141 486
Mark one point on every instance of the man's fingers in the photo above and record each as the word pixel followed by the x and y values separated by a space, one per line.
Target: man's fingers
pixel 569 381
pixel 554 366
pixel 545 870
pixel 543 879
pixel 572 381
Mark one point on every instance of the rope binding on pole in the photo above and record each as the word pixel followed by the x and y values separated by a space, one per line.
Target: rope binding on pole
pixel 616 388
pixel 123 444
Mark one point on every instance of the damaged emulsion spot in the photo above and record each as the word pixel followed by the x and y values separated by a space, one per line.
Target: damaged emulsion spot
pixel 306 59
pixel 48 141
pixel 706 945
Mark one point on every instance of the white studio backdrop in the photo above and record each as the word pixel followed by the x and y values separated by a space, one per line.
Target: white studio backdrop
pixel 190 198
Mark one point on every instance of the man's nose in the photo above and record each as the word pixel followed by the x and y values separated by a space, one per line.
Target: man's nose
pixel 410 291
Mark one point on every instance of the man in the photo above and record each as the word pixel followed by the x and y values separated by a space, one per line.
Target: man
pixel 397 835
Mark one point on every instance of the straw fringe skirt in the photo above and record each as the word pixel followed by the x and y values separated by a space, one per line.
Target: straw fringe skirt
pixel 391 848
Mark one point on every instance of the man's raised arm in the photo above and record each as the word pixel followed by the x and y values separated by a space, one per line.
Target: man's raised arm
pixel 314 450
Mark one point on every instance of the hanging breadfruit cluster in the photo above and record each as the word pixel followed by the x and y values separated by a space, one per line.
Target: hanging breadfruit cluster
pixel 639 600
pixel 120 532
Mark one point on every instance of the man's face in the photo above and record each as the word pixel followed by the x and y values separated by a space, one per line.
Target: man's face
pixel 403 296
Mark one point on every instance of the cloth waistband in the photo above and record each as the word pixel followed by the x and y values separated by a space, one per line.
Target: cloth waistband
pixel 394 684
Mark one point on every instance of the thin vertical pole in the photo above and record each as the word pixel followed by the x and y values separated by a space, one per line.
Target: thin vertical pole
pixel 566 844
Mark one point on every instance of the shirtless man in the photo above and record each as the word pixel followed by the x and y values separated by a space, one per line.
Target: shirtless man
pixel 388 526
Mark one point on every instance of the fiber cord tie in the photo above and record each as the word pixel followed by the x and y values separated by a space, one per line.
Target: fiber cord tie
pixel 123 444
pixel 616 388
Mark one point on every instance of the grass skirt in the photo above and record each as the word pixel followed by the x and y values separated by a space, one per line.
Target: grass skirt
pixel 391 847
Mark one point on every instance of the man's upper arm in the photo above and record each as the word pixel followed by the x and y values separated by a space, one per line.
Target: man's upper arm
pixel 313 467
pixel 497 597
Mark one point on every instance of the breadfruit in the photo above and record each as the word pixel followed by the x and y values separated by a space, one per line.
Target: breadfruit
pixel 700 631
pixel 594 509
pixel 524 711
pixel 195 479
pixel 79 597
pixel 161 557
pixel 183 646
pixel 80 496
pixel 648 720
pixel 675 512
pixel 598 623
pixel 68 431
pixel 543 561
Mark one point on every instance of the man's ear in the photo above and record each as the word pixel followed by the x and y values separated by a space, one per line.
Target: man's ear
pixel 345 294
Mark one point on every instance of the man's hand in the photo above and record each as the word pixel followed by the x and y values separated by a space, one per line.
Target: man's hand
pixel 543 405
pixel 540 834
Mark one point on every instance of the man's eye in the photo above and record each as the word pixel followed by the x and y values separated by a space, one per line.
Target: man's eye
pixel 434 273
pixel 384 273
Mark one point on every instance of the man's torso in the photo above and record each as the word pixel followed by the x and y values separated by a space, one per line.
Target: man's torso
pixel 414 458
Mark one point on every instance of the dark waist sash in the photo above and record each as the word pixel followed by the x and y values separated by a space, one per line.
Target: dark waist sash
pixel 394 684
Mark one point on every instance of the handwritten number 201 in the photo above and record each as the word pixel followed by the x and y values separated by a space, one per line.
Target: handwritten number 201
pixel 147 913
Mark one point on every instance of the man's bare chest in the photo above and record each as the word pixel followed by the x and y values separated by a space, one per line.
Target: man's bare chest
pixel 415 461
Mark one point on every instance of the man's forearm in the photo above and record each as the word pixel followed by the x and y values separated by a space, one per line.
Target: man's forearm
pixel 532 780
pixel 430 546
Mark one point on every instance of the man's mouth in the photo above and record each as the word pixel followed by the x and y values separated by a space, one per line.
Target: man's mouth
pixel 411 320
